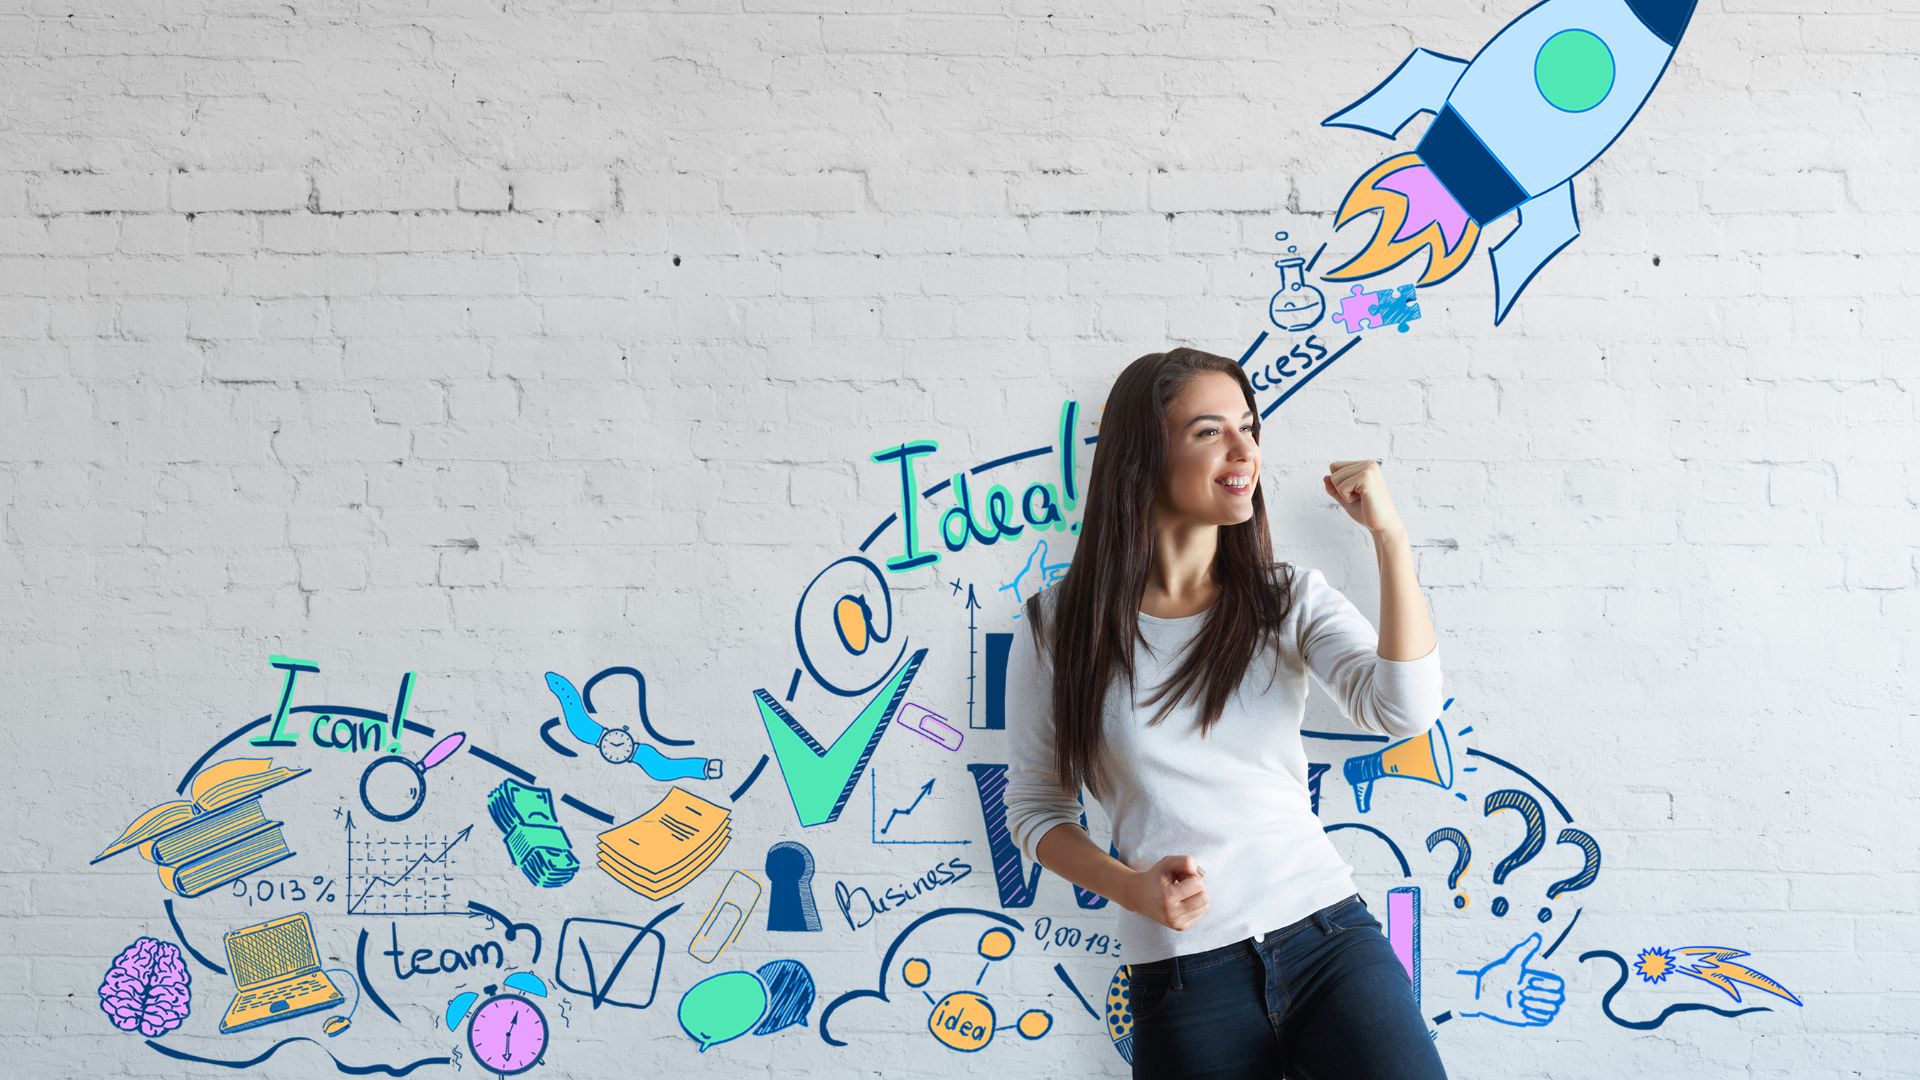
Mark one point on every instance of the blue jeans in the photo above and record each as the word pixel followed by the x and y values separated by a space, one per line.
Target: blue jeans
pixel 1322 999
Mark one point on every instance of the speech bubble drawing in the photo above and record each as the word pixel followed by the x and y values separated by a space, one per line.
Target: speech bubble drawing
pixel 789 995
pixel 722 1008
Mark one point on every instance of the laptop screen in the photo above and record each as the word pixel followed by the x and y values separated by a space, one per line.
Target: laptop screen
pixel 271 950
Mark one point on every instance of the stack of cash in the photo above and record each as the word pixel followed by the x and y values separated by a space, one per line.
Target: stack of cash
pixel 535 840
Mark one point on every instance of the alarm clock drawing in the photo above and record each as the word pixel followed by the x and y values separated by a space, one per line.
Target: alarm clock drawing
pixel 508 1032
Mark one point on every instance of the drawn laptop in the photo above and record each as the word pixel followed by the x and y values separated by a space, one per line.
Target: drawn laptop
pixel 276 969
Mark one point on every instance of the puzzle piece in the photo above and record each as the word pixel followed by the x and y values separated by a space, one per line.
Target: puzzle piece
pixel 1396 307
pixel 1356 311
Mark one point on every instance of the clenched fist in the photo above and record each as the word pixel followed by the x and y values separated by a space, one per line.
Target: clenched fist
pixel 1362 492
pixel 1170 892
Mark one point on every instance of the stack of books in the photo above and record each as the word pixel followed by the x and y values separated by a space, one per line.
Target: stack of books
pixel 219 835
pixel 666 847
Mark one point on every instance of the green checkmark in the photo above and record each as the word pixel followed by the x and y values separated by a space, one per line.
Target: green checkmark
pixel 819 778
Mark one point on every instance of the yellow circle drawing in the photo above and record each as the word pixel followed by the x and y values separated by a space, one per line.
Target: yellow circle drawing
pixel 962 1020
pixel 996 944
pixel 1034 1023
pixel 916 972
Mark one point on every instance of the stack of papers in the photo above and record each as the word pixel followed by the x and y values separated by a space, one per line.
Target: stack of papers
pixel 666 847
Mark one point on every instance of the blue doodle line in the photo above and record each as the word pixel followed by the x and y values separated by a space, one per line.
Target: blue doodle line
pixel 1606 999
pixel 500 763
pixel 546 736
pixel 1253 348
pixel 1405 870
pixel 997 462
pixel 1528 777
pixel 1343 736
pixel 755 774
pixel 366 986
pixel 1084 1003
pixel 350 1070
pixel 597 814
pixel 886 962
pixel 182 935
pixel 1309 377
pixel 476 910
pixel 586 698
pixel 1321 250
pixel 1563 934
pixel 864 545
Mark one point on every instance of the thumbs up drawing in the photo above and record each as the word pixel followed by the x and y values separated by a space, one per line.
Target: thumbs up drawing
pixel 1507 991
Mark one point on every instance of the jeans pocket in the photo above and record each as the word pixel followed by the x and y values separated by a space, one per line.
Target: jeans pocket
pixel 1148 992
pixel 1352 915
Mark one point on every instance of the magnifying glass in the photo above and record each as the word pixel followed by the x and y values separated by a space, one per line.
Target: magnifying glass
pixel 441 751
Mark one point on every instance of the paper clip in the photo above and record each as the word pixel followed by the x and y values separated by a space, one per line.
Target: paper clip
pixel 930 725
pixel 726 918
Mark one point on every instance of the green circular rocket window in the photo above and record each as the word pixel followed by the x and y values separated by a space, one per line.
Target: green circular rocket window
pixel 1574 70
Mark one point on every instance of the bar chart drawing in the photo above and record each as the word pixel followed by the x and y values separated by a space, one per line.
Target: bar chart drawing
pixel 1403 931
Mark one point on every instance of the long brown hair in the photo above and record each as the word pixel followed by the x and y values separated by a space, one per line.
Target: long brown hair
pixel 1098 601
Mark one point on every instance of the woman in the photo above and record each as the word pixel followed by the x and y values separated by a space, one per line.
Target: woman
pixel 1251 953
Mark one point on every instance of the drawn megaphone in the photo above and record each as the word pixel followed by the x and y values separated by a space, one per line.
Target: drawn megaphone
pixel 1423 757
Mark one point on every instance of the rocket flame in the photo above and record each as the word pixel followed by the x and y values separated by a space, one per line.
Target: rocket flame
pixel 1712 964
pixel 1416 214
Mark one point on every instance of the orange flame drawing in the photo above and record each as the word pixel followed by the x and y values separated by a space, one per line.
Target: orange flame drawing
pixel 1416 215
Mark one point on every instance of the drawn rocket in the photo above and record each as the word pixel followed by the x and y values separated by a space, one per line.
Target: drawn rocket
pixel 1539 103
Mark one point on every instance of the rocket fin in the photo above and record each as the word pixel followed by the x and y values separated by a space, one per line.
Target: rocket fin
pixel 1547 224
pixel 1420 84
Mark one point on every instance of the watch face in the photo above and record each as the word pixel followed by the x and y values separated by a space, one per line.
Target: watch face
pixel 508 1035
pixel 616 746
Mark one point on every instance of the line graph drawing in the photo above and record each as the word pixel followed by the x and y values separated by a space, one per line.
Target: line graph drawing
pixel 876 832
pixel 402 875
pixel 908 809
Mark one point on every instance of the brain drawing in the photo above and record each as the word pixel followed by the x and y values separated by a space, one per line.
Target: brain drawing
pixel 148 988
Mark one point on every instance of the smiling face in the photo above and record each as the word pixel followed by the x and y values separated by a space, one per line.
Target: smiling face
pixel 1213 454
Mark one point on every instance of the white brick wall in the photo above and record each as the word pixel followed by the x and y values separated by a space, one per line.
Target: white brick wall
pixel 481 342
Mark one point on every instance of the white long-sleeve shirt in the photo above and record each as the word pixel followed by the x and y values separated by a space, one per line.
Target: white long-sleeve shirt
pixel 1237 799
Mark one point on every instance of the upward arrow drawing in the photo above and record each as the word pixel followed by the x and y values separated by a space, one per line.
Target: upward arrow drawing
pixel 925 790
pixel 973 605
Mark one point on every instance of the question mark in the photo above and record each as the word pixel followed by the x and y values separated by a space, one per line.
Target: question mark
pixel 1536 838
pixel 1587 873
pixel 1462 855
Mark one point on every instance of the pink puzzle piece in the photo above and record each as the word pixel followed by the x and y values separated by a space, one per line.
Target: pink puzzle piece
pixel 1356 311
